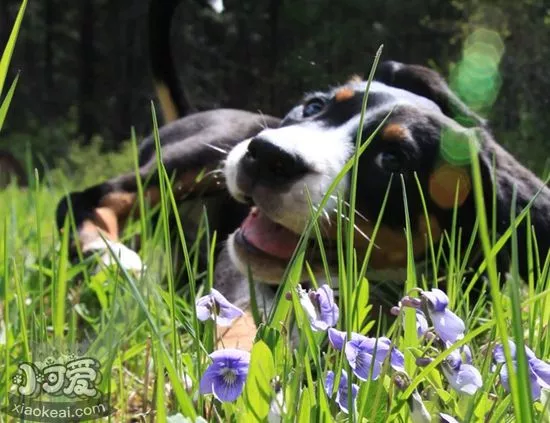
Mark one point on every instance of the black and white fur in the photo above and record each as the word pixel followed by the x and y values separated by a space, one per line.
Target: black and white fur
pixel 271 165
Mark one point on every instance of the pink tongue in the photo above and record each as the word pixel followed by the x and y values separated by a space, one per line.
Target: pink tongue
pixel 268 236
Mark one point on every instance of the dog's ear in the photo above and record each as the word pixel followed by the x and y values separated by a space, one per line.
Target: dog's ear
pixel 427 83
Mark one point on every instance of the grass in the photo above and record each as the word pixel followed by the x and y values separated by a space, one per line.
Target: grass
pixel 144 332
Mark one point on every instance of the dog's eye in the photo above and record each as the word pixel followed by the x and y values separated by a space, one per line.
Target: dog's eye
pixel 389 161
pixel 313 106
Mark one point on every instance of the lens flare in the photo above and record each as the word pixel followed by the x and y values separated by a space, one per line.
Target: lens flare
pixel 476 78
pixel 444 183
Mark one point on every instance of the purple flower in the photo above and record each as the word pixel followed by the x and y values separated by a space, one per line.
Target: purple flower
pixel 216 307
pixel 458 369
pixel 421 323
pixel 319 307
pixel 226 375
pixel 342 392
pixel 364 353
pixel 337 338
pixel 446 418
pixel 447 325
pixel 539 371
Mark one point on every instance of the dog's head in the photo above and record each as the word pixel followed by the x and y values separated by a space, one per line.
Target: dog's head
pixel 421 152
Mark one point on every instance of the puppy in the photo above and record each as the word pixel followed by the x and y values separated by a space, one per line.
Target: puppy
pixel 421 148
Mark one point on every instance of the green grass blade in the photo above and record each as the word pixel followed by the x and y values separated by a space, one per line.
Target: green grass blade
pixel 7 101
pixel 10 46
pixel 60 284
pixel 494 285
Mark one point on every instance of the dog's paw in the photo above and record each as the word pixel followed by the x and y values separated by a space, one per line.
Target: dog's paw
pixel 106 249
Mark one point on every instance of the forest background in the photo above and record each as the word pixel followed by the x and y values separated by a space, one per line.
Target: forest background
pixel 85 78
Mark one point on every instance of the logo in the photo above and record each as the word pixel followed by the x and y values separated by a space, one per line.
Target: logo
pixel 58 390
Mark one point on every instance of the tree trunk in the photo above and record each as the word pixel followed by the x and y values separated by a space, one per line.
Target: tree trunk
pixel 86 86
pixel 48 50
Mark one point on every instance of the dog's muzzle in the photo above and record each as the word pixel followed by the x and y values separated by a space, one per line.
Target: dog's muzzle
pixel 268 164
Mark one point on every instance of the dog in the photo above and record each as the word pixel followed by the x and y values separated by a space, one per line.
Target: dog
pixel 419 114
pixel 11 169
pixel 191 144
pixel 274 169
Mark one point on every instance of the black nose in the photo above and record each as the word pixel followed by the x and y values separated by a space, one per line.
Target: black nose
pixel 268 163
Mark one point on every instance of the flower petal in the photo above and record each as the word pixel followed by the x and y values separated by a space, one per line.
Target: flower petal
pixel 535 386
pixel 329 311
pixel 466 379
pixel 227 311
pixel 504 379
pixel 342 394
pixel 337 338
pixel 207 380
pixel 397 360
pixel 342 397
pixel 329 383
pixel 437 299
pixel 498 352
pixel 467 354
pixel 421 323
pixel 363 366
pixel 361 351
pixel 204 307
pixel 542 371
pixel 454 360
pixel 307 304
pixel 419 412
pixel 446 418
pixel 448 326
pixel 231 354
pixel 227 392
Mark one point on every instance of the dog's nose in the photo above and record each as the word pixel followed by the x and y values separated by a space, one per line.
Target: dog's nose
pixel 270 164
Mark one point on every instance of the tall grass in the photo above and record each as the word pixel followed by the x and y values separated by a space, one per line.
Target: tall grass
pixel 144 330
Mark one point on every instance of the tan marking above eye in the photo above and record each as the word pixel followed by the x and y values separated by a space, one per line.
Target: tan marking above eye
pixel 344 94
pixel 394 132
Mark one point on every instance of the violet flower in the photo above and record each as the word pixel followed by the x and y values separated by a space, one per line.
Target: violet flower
pixel 447 325
pixel 319 307
pixel 364 353
pixel 460 373
pixel 539 371
pixel 446 418
pixel 337 338
pixel 422 325
pixel 226 375
pixel 216 307
pixel 342 392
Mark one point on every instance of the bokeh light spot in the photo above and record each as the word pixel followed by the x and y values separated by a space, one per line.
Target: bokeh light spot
pixel 476 78
pixel 444 183
pixel 455 146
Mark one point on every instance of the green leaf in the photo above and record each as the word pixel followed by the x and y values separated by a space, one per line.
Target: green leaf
pixel 258 390
pixel 10 46
pixel 275 342
pixel 6 103
pixel 372 401
pixel 305 407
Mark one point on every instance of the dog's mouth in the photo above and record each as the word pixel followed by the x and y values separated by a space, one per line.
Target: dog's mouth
pixel 265 235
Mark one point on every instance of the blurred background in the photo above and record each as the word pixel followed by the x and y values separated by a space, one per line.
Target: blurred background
pixel 85 77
